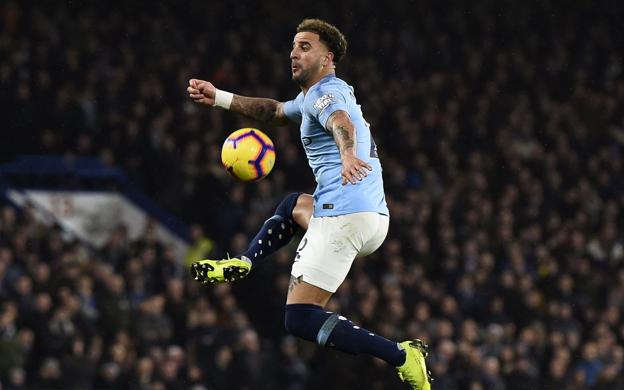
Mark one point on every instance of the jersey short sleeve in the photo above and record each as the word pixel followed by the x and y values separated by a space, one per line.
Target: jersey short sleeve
pixel 292 108
pixel 326 101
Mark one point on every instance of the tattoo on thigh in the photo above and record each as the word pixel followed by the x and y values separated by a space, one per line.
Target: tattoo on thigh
pixel 294 281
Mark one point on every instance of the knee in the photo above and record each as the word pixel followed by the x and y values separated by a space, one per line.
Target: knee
pixel 294 320
pixel 303 210
pixel 286 207
pixel 299 320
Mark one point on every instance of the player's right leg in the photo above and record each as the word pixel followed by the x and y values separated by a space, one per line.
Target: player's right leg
pixel 294 210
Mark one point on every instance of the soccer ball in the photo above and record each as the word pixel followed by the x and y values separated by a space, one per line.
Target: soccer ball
pixel 248 154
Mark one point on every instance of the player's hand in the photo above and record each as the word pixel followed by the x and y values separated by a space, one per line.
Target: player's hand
pixel 354 169
pixel 202 91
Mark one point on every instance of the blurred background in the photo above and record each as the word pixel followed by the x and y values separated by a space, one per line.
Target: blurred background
pixel 500 128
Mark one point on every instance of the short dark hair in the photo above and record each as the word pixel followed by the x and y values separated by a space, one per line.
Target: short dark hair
pixel 328 34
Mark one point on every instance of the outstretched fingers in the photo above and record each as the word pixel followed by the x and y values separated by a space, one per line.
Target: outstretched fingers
pixel 354 171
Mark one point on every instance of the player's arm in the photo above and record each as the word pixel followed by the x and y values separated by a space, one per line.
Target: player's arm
pixel 261 109
pixel 339 124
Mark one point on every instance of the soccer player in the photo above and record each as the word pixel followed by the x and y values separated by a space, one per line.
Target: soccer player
pixel 347 216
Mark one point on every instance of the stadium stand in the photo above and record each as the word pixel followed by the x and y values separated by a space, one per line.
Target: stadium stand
pixel 501 132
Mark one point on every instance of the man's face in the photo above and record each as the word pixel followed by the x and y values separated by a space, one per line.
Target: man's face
pixel 307 57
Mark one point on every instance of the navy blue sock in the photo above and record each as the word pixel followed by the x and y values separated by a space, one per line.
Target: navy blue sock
pixel 276 231
pixel 312 323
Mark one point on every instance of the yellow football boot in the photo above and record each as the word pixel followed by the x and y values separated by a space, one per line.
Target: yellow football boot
pixel 220 271
pixel 414 370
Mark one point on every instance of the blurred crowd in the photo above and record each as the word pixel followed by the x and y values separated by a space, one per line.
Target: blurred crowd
pixel 500 128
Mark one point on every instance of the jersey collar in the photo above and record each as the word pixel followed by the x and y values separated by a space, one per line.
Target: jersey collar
pixel 321 81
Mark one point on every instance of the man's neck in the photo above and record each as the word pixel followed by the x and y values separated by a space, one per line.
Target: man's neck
pixel 321 75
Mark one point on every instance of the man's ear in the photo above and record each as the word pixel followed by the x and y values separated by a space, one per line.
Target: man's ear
pixel 329 57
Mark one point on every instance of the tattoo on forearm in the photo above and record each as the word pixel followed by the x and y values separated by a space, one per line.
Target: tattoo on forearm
pixel 343 138
pixel 293 282
pixel 257 108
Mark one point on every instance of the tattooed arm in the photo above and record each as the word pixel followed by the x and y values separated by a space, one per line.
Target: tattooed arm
pixel 261 109
pixel 343 130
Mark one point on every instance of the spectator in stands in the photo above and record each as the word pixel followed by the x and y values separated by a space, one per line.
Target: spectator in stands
pixel 500 127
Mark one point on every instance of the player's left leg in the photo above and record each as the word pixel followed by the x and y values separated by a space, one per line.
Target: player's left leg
pixel 294 210
pixel 306 318
pixel 323 261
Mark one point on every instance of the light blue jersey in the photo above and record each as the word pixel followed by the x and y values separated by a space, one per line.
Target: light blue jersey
pixel 312 110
